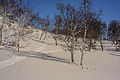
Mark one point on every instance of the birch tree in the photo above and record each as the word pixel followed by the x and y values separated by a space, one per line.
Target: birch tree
pixel 114 33
pixel 45 24
pixel 67 25
pixel 92 27
pixel 7 9
pixel 3 12
pixel 85 8
pixel 24 21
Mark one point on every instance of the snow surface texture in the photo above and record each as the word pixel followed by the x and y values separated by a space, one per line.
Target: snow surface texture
pixel 42 60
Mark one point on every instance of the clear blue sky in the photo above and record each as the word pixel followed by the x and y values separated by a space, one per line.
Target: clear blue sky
pixel 111 8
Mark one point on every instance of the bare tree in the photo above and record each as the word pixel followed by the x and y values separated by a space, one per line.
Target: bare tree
pixel 56 31
pixel 95 32
pixel 92 27
pixel 114 33
pixel 21 19
pixel 45 24
pixel 24 22
pixel 85 8
pixel 3 12
pixel 7 8
pixel 66 23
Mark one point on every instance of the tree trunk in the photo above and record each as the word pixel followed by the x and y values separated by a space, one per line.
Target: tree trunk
pixel 72 57
pixel 18 43
pixel 85 34
pixel 1 36
pixel 45 35
pixel 101 45
pixel 41 35
pixel 18 47
pixel 90 44
pixel 83 48
pixel 72 48
pixel 116 47
pixel 55 38
pixel 81 61
pixel 82 55
pixel 56 42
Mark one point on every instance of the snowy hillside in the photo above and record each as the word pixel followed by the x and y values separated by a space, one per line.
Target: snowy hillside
pixel 42 60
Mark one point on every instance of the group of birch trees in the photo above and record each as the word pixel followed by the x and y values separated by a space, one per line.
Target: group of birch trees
pixel 80 27
pixel 16 21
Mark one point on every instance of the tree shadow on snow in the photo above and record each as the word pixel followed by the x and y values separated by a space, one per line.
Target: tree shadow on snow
pixel 115 54
pixel 43 56
pixel 52 44
pixel 43 42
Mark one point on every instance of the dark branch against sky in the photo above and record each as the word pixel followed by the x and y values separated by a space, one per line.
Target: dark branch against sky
pixel 111 8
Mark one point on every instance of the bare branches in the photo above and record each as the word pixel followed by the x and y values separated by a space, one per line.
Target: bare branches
pixel 18 21
pixel 114 33
pixel 45 26
pixel 67 24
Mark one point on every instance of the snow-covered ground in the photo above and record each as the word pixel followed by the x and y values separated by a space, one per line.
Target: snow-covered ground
pixel 42 60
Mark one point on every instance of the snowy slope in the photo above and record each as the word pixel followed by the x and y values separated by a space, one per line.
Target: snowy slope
pixel 42 60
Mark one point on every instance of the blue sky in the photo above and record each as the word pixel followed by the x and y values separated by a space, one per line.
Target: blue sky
pixel 110 7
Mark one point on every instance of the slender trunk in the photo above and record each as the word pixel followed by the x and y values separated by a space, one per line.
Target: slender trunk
pixel 85 35
pixel 56 41
pixel 83 48
pixel 41 35
pixel 18 44
pixel 0 35
pixel 72 48
pixel 115 43
pixel 101 45
pixel 55 38
pixel 72 54
pixel 90 44
pixel 45 35
pixel 72 57
pixel 15 42
pixel 116 47
pixel 37 33
pixel 81 61
pixel 18 41
pixel 82 55
pixel 18 47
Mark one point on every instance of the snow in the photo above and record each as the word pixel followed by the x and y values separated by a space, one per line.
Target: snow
pixel 42 60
